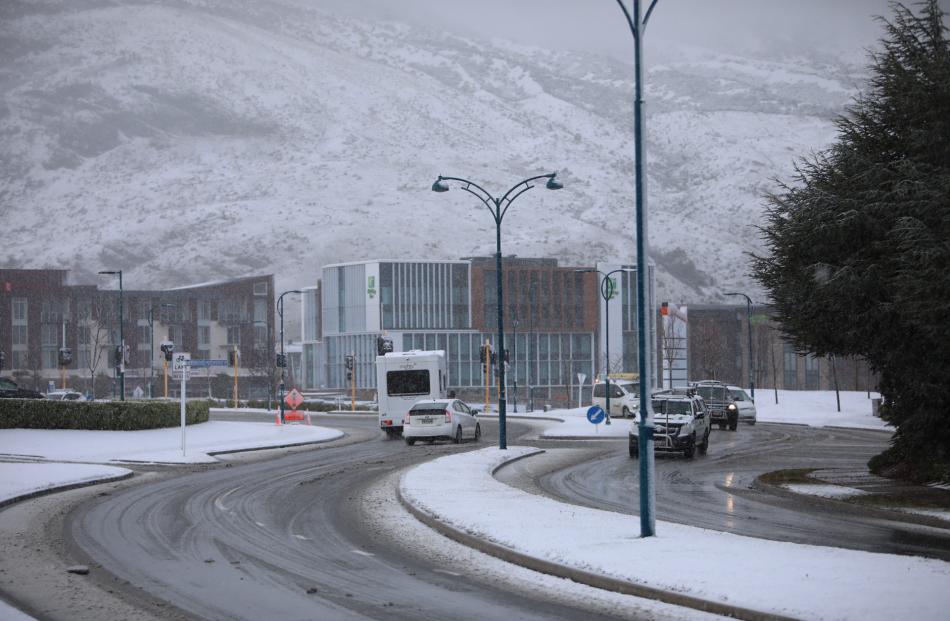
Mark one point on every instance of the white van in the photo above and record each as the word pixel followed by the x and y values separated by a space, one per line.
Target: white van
pixel 402 379
pixel 624 397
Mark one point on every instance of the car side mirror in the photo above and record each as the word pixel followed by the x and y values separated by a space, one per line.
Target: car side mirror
pixel 701 415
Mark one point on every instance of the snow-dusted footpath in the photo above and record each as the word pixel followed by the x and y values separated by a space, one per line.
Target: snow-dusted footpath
pixel 796 407
pixel 800 581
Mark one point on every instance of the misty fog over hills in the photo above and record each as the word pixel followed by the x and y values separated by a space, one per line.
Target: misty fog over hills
pixel 188 141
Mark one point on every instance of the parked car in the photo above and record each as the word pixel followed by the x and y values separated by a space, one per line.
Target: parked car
pixel 743 403
pixel 441 419
pixel 65 395
pixel 10 390
pixel 716 396
pixel 624 397
pixel 681 424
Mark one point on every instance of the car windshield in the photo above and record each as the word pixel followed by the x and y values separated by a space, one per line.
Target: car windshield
pixel 668 406
pixel 738 395
pixel 712 393
pixel 437 406
pixel 6 384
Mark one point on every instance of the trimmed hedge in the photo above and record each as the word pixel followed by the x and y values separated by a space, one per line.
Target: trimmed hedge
pixel 98 415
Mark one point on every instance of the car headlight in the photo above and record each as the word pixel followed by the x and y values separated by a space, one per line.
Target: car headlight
pixel 732 407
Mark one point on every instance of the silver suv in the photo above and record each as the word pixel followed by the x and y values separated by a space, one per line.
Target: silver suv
pixel 681 424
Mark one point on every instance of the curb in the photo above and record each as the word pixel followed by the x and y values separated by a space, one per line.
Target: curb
pixel 580 576
pixel 62 488
pixel 881 513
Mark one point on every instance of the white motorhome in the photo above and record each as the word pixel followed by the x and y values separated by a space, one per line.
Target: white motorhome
pixel 402 378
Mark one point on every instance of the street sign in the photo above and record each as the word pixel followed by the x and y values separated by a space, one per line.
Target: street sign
pixel 293 399
pixel 181 362
pixel 596 414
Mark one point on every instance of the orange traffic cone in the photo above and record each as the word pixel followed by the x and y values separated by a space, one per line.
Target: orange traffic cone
pixel 277 418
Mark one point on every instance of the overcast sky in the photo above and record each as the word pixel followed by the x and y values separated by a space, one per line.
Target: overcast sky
pixel 731 26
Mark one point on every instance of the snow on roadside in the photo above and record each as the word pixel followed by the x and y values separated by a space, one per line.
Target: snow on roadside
pixel 20 479
pixel 825 491
pixel 9 613
pixel 156 445
pixel 797 580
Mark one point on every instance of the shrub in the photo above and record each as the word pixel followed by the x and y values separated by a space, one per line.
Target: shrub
pixel 98 415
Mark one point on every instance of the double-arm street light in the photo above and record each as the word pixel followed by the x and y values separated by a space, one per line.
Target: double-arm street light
pixel 637 23
pixel 498 208
pixel 748 309
pixel 607 290
pixel 151 355
pixel 283 358
pixel 121 362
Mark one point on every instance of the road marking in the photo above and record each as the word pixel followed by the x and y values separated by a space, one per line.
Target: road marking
pixel 447 572
pixel 261 524
pixel 302 537
pixel 362 553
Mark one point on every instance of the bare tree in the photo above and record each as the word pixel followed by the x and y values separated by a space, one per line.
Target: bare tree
pixel 91 320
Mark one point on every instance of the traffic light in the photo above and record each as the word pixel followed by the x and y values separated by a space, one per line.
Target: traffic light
pixel 281 361
pixel 383 345
pixel 482 352
pixel 232 358
pixel 494 359
pixel 168 348
pixel 65 356
pixel 3 359
pixel 349 362
pixel 506 355
pixel 349 376
pixel 118 355
pixel 665 309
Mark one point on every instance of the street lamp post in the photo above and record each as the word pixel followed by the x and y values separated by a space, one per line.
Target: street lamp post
pixel 748 308
pixel 283 358
pixel 607 291
pixel 637 26
pixel 121 335
pixel 498 208
pixel 151 337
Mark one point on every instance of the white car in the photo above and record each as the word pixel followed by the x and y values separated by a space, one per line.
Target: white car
pixel 743 403
pixel 440 419
pixel 624 397
pixel 65 395
pixel 681 423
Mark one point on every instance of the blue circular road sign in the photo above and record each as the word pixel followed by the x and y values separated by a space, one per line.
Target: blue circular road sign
pixel 596 414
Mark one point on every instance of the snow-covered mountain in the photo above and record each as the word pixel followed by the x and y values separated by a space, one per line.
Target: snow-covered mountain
pixel 186 140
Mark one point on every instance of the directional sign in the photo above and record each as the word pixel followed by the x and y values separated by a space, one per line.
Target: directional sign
pixel 293 399
pixel 181 362
pixel 596 414
pixel 209 363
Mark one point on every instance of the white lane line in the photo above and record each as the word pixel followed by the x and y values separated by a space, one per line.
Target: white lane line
pixel 261 524
pixel 301 537
pixel 362 553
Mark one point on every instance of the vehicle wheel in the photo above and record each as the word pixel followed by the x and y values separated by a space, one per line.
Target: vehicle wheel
pixel 721 425
pixel 705 445
pixel 410 441
pixel 626 412
pixel 752 422
pixel 458 434
pixel 478 432
pixel 690 449
pixel 634 449
pixel 733 425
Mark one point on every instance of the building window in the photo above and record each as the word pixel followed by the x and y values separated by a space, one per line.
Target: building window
pixel 260 337
pixel 791 366
pixel 20 335
pixel 234 335
pixel 230 310
pixel 174 335
pixel 204 311
pixel 811 372
pixel 260 311
pixel 19 310
pixel 21 360
pixel 48 334
pixel 50 358
pixel 260 288
pixel 204 337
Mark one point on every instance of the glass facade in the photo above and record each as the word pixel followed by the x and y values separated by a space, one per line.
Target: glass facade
pixel 432 295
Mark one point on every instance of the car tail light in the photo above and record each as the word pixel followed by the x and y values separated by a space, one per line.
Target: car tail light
pixel 448 416
pixel 405 421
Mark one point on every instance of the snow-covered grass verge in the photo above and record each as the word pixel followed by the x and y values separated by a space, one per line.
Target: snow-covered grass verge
pixel 818 408
pixel 572 423
pixel 156 445
pixel 9 613
pixel 808 582
pixel 21 479
pixel 825 491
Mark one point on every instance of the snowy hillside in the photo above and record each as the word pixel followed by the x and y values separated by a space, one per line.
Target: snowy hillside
pixel 188 140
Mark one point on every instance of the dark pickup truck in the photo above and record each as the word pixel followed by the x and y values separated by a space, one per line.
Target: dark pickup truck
pixel 722 409
pixel 10 390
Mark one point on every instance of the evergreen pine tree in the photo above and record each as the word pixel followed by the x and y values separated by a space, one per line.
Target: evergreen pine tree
pixel 859 243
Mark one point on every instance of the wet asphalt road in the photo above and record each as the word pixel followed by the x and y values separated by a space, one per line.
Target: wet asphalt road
pixel 285 539
pixel 716 492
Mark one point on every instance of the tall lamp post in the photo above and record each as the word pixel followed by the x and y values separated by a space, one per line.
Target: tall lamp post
pixel 121 334
pixel 498 208
pixel 283 358
pixel 151 356
pixel 607 291
pixel 748 308
pixel 637 23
